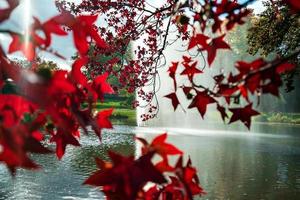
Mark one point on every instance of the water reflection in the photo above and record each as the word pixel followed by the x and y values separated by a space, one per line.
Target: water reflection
pixel 236 166
pixel 232 165
pixel 63 179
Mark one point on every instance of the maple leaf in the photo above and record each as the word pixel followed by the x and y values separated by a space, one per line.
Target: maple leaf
pixel 101 87
pixel 62 139
pixel 284 67
pixel 190 70
pixel 199 39
pixel 271 88
pixel 82 27
pixel 243 114
pixel 14 159
pixel 243 92
pixel 16 142
pixel 125 177
pixel 200 101
pixel 17 136
pixel 237 18
pixel 5 13
pixel 103 121
pixel 174 98
pixel 222 111
pixel 186 184
pixel 152 193
pixel 253 83
pixel 160 146
pixel 246 67
pixel 59 85
pixel 232 18
pixel 164 166
pixel 19 43
pixel 27 48
pixel 51 26
pixel 172 72
pixel 213 46
pixel 187 91
pixel 77 76
pixel 13 108
pixel 187 59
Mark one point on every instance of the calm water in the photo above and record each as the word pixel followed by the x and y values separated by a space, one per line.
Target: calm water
pixel 232 165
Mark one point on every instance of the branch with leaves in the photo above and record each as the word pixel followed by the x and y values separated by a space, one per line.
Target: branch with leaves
pixel 52 104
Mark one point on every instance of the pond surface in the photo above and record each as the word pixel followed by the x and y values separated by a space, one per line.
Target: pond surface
pixel 231 164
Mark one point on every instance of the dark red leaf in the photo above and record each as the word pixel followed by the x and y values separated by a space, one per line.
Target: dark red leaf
pixel 200 101
pixel 199 39
pixel 101 87
pixel 126 177
pixel 285 67
pixel 5 13
pixel 172 71
pixel 190 70
pixel 173 97
pixel 243 114
pixel 222 111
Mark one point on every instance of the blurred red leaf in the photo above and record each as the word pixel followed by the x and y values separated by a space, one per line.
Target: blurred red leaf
pixel 126 176
pixel 173 97
pixel 243 114
pixel 200 101
pixel 5 12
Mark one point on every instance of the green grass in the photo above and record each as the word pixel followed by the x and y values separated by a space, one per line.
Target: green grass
pixel 111 104
pixel 122 114
pixel 278 117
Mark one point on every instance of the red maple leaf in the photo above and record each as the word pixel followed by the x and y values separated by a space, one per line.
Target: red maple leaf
pixel 101 87
pixel 187 91
pixel 253 83
pixel 199 39
pixel 82 27
pixel 222 111
pixel 19 137
pixel 243 114
pixel 246 67
pixel 62 139
pixel 18 43
pixel 14 159
pixel 160 146
pixel 125 177
pixel 152 193
pixel 172 72
pixel 49 27
pixel 213 46
pixel 5 13
pixel 186 184
pixel 164 166
pixel 187 59
pixel 174 98
pixel 284 67
pixel 200 101
pixel 190 70
pixel 210 46
pixel 76 74
pixel 103 121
